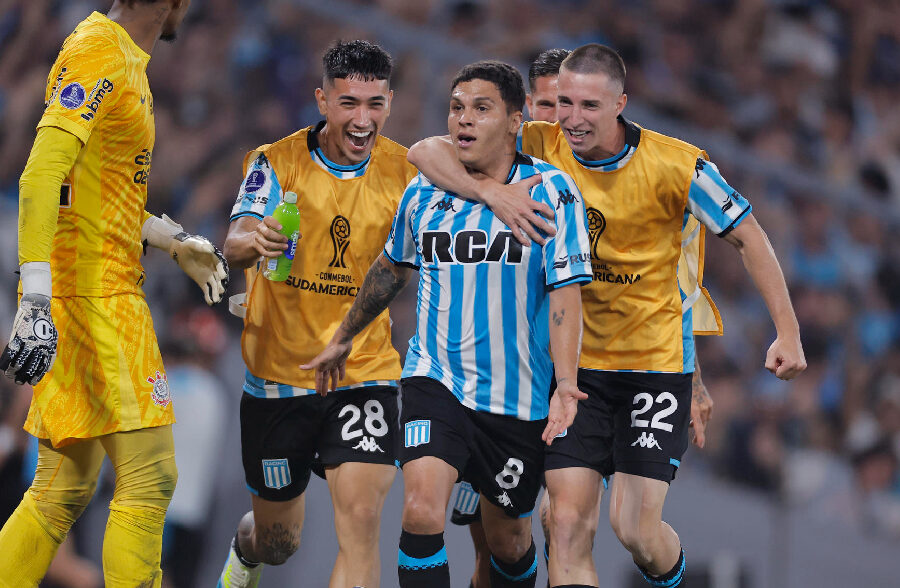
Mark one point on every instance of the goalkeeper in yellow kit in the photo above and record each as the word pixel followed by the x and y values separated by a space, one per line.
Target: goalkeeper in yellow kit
pixel 81 225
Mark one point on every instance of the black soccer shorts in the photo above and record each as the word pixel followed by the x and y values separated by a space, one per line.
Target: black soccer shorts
pixel 502 457
pixel 634 423
pixel 283 439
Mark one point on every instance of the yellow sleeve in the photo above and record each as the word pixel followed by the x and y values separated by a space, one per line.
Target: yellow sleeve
pixel 52 156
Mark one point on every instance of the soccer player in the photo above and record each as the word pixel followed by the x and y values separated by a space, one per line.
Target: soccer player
pixel 81 223
pixel 477 374
pixel 542 79
pixel 641 189
pixel 348 180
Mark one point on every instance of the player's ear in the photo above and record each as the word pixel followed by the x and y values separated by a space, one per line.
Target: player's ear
pixel 515 121
pixel 320 100
pixel 620 103
pixel 387 105
pixel 528 104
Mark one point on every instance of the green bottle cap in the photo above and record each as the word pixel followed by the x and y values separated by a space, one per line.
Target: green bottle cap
pixel 290 197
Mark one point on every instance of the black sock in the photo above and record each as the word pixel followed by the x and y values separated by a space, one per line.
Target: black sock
pixel 671 578
pixel 422 561
pixel 240 556
pixel 520 574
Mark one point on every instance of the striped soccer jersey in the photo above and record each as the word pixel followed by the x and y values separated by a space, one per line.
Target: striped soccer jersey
pixel 483 300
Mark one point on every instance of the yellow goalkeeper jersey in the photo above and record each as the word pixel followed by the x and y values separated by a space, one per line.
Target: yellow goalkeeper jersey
pixel 648 209
pixel 98 91
pixel 345 217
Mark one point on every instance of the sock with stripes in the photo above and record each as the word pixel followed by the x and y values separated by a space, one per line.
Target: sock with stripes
pixel 671 578
pixel 520 574
pixel 422 561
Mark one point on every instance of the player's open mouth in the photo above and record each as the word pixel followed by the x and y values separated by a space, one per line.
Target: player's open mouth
pixel 464 140
pixel 577 135
pixel 359 139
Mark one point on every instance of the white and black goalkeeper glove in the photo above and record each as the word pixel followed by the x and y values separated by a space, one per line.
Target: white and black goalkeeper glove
pixel 32 345
pixel 195 255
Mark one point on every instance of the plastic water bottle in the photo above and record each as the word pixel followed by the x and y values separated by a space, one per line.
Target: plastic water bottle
pixel 288 216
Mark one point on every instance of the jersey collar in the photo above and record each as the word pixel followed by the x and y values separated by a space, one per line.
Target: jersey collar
pixel 617 161
pixel 341 172
pixel 518 160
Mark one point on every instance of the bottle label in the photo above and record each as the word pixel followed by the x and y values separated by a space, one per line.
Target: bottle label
pixel 272 264
pixel 292 246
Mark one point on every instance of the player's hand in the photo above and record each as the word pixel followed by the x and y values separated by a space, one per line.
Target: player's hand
pixel 701 411
pixel 32 344
pixel 202 262
pixel 513 205
pixel 563 406
pixel 267 241
pixel 330 366
pixel 785 358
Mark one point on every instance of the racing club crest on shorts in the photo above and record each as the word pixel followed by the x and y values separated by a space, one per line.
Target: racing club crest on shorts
pixel 160 395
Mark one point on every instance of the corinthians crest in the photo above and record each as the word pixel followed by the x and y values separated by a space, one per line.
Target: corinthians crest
pixel 340 239
pixel 160 394
pixel 596 226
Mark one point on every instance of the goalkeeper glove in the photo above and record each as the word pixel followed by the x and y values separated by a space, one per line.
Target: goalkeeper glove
pixel 32 344
pixel 201 260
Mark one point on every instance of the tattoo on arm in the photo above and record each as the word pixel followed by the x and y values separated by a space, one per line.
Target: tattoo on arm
pixel 698 388
pixel 559 316
pixel 381 285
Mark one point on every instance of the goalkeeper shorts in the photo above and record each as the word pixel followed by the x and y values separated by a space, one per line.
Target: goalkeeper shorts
pixel 108 376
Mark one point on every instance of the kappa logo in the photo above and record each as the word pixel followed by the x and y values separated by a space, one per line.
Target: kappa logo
pixel 340 240
pixel 566 197
pixel 701 163
pixel 368 444
pixel 276 473
pixel 504 500
pixel 445 205
pixel 160 395
pixel 647 440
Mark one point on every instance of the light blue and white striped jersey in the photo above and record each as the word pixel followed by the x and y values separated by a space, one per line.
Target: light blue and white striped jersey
pixel 483 301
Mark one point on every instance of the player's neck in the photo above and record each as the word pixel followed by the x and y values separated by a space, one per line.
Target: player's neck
pixel 497 168
pixel 142 22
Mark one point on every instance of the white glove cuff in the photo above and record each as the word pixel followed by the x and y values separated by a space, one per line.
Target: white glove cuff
pixel 36 278
pixel 159 232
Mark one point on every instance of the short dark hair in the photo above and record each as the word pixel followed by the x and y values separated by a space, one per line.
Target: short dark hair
pixel 546 64
pixel 507 79
pixel 357 59
pixel 596 58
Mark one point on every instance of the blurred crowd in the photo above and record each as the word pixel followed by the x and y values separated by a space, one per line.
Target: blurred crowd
pixel 807 85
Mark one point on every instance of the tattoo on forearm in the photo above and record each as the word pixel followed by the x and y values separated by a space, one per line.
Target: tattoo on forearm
pixel 559 316
pixel 277 543
pixel 379 288
pixel 698 389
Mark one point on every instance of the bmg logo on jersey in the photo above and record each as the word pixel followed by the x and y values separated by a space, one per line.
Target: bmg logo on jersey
pixel 417 433
pixel 276 473
pixel 101 89
pixel 470 246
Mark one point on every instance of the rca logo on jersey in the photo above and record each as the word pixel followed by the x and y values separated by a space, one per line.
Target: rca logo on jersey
pixel 340 240
pixel 596 226
pixel 470 246
pixel 143 159
pixel 276 473
pixel 101 89
pixel 160 395
pixel 417 433
pixel 444 205
pixel 647 440
pixel 566 197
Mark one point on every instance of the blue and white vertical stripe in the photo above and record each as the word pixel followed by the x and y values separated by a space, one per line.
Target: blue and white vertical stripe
pixel 417 433
pixel 260 191
pixel 715 204
pixel 483 299
pixel 466 499
pixel 276 473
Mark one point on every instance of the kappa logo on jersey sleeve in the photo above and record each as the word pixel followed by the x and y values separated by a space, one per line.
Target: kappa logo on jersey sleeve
pixel 276 473
pixel 417 433
pixel 565 198
pixel 470 246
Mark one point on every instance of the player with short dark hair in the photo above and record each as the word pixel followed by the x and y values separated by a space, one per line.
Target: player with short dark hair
pixel 348 180
pixel 642 190
pixel 477 374
pixel 542 74
pixel 82 218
